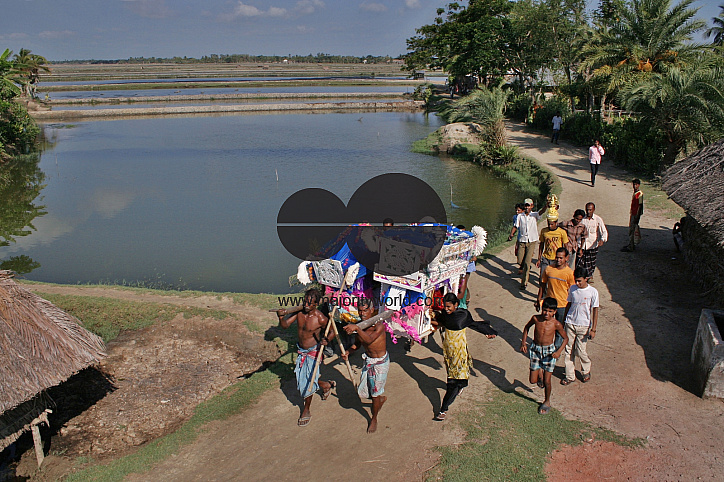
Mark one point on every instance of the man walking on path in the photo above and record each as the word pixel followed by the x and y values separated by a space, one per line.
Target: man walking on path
pixel 527 224
pixel 576 232
pixel 594 157
pixel 555 282
pixel 597 235
pixel 581 319
pixel 557 121
pixel 551 238
pixel 637 209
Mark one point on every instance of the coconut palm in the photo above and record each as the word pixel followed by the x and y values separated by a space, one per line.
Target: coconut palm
pixel 685 102
pixel 717 30
pixel 29 66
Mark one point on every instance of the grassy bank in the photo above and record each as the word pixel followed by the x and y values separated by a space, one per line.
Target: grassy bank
pixel 506 439
pixel 265 301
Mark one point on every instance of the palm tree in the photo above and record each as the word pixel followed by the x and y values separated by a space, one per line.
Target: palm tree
pixel 717 30
pixel 29 65
pixel 685 102
pixel 8 77
pixel 649 35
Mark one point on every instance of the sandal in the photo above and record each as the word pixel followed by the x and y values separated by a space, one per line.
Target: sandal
pixel 566 381
pixel 541 384
pixel 586 377
pixel 544 409
pixel 325 393
pixel 304 421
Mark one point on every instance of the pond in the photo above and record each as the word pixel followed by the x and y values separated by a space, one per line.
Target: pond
pixel 192 202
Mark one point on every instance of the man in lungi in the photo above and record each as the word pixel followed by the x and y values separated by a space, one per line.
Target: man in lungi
pixel 376 360
pixel 311 326
pixel 596 236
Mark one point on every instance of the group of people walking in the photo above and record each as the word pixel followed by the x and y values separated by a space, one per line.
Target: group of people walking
pixel 566 252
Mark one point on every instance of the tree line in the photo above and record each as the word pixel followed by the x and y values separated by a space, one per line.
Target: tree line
pixel 552 55
pixel 321 58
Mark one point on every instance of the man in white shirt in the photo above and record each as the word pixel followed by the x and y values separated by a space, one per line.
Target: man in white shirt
pixel 595 152
pixel 557 121
pixel 527 224
pixel 581 317
pixel 597 235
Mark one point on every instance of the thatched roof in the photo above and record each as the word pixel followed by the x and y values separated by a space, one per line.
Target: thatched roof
pixel 40 345
pixel 697 183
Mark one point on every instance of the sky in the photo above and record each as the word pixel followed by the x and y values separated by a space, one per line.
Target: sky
pixel 119 29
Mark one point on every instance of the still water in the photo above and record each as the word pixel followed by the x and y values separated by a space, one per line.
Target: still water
pixel 192 202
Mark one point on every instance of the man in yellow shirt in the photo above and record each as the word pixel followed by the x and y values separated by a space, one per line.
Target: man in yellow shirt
pixel 555 282
pixel 551 238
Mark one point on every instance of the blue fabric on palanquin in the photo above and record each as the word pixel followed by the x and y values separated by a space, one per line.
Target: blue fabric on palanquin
pixel 347 259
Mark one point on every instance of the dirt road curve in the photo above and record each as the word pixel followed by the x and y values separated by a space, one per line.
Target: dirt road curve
pixel 640 386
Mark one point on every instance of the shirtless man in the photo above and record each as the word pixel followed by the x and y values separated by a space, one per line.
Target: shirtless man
pixel 377 361
pixel 311 325
pixel 543 353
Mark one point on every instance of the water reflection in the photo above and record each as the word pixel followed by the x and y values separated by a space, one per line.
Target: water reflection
pixel 21 182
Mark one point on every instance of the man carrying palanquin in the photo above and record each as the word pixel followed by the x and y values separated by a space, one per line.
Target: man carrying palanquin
pixel 376 360
pixel 311 326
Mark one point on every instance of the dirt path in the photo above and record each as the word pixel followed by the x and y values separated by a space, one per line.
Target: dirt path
pixel 640 387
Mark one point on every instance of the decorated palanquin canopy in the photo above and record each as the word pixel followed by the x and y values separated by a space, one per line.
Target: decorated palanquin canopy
pixel 413 265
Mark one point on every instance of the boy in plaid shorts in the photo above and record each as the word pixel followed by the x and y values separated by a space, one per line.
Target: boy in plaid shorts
pixel 543 352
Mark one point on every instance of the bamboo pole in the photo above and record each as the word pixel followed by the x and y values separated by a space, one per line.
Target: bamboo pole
pixel 341 349
pixel 320 351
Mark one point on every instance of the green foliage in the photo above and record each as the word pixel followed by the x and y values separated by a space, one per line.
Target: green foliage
pixel 519 107
pixel 504 154
pixel 649 35
pixel 18 131
pixel 464 40
pixel 506 439
pixel 484 106
pixel 8 77
pixel 685 103
pixel 632 143
pixel 548 108
pixel 424 92
pixel 716 31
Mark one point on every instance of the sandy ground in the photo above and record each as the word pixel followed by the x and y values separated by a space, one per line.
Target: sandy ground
pixel 641 384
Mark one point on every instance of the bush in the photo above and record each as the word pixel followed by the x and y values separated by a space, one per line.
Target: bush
pixel 424 92
pixel 18 131
pixel 520 107
pixel 631 143
pixel 546 111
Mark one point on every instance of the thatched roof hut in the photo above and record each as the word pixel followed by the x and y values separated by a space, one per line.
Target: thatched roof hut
pixel 696 184
pixel 41 346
